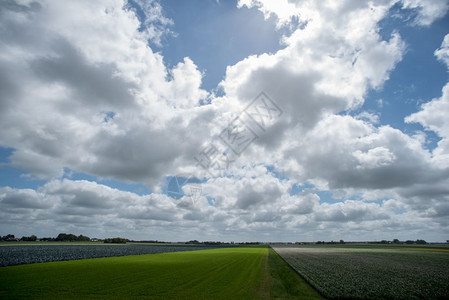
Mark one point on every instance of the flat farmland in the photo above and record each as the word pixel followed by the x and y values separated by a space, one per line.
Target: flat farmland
pixel 225 273
pixel 372 272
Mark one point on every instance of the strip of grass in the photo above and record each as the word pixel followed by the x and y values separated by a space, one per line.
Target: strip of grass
pixel 285 282
pixel 227 273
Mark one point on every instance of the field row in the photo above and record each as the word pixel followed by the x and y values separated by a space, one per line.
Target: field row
pixel 362 273
pixel 26 254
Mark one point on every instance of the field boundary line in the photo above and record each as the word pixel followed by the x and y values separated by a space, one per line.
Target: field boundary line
pixel 307 281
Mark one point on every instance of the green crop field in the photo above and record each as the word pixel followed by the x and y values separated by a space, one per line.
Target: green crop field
pixel 226 273
pixel 365 272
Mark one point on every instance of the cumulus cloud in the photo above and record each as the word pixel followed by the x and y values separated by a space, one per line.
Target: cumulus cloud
pixel 433 116
pixel 92 205
pixel 442 53
pixel 155 24
pixel 327 67
pixel 346 152
pixel 22 199
pixel 85 91
pixel 286 11
pixel 428 11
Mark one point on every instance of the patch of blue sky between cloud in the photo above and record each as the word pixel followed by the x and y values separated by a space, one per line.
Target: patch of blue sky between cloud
pixel 172 186
pixel 5 153
pixel 417 78
pixel 298 188
pixel 216 35
pixel 325 196
pixel 211 200
pixel 276 173
pixel 15 177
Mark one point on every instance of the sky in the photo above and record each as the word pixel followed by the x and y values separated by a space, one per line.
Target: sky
pixel 248 120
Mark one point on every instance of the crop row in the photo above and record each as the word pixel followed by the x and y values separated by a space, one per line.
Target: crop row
pixel 372 274
pixel 16 255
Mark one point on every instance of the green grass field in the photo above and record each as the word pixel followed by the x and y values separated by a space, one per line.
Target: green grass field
pixel 226 273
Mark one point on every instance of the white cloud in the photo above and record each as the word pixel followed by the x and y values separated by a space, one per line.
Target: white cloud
pixel 97 210
pixel 283 10
pixel 327 67
pixel 301 204
pixel 443 52
pixel 70 63
pixel 374 158
pixel 346 153
pixel 155 24
pixel 12 199
pixel 433 116
pixel 428 10
pixel 367 116
pixel 351 211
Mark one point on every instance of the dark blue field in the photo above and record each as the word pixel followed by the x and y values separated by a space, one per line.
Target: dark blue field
pixel 26 254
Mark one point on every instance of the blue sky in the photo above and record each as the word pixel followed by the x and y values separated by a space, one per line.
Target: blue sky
pixel 117 99
pixel 417 78
pixel 201 28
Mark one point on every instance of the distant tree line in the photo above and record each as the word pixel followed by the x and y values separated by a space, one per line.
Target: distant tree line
pixel 148 241
pixel 196 242
pixel 9 238
pixel 116 240
pixel 62 237
pixel 331 242
pixel 12 238
pixel 397 241
pixel 31 238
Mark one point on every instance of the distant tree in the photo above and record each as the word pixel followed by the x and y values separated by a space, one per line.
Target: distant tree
pixel 212 242
pixel 82 238
pixel 421 242
pixel 8 237
pixel 116 240
pixel 32 238
pixel 63 237
pixel 396 241
pixel 342 242
pixel 409 242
